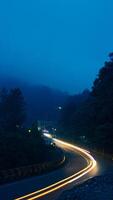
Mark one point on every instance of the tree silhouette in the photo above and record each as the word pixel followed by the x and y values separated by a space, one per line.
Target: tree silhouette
pixel 94 117
pixel 12 109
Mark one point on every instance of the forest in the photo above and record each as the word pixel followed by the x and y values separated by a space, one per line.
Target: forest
pixel 90 119
pixel 20 147
pixel 86 118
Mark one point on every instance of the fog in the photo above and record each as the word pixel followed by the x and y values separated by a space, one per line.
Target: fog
pixel 61 44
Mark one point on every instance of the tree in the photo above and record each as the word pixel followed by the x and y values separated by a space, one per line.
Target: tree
pixel 94 117
pixel 12 110
pixel 3 99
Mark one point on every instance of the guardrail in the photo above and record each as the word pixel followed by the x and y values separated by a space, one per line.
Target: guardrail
pixel 31 170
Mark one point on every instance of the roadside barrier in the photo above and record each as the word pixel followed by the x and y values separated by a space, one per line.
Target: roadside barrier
pixel 32 170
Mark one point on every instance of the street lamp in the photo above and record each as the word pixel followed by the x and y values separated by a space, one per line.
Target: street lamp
pixel 59 108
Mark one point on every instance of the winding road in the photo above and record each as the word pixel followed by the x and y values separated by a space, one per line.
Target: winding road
pixel 79 166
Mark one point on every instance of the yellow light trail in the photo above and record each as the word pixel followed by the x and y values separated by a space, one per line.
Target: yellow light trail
pixel 91 164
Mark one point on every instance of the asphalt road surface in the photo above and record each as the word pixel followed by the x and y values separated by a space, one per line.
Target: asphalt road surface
pixel 79 166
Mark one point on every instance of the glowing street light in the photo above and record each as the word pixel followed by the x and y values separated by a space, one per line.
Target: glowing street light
pixel 39 128
pixel 29 130
pixel 60 108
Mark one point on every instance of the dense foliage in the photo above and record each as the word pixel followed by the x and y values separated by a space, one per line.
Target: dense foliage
pixel 92 119
pixel 20 146
pixel 12 109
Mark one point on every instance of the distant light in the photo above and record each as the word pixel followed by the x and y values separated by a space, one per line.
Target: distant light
pixel 47 135
pixel 45 131
pixel 39 128
pixel 29 130
pixel 60 108
pixel 54 129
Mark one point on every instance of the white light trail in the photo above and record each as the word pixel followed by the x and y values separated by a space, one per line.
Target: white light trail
pixel 91 164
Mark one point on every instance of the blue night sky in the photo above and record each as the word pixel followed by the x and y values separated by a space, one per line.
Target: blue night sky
pixel 59 43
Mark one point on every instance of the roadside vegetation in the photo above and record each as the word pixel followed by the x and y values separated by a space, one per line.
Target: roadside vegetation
pixel 88 118
pixel 19 146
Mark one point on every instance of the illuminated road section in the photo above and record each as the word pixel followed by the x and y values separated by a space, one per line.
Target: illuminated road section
pixel 91 164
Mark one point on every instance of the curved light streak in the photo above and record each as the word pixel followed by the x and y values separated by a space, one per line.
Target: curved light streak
pixel 91 164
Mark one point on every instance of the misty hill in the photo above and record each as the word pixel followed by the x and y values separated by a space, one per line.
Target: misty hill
pixel 42 102
pixel 78 98
pixel 70 107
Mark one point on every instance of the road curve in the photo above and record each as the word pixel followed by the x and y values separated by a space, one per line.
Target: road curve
pixel 91 164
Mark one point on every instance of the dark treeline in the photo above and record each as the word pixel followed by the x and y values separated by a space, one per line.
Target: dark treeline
pixel 42 102
pixel 19 146
pixel 12 110
pixel 90 120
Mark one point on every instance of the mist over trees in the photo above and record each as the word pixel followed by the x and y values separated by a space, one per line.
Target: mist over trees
pixel 86 118
pixel 42 102
pixel 93 118
pixel 70 108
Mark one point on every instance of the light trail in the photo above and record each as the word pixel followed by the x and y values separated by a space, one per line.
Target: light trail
pixel 91 164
